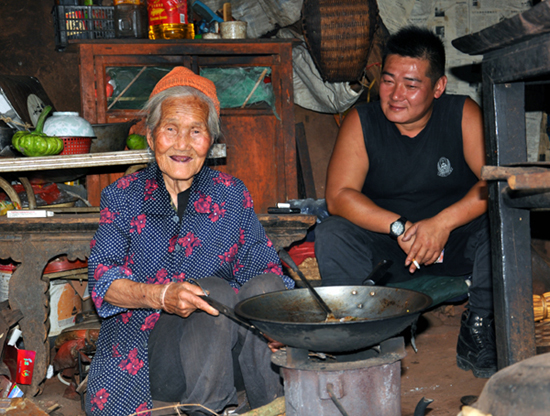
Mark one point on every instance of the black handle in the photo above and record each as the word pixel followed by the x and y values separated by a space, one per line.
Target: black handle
pixel 377 273
pixel 227 311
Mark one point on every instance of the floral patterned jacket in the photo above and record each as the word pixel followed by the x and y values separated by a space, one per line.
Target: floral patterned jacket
pixel 141 238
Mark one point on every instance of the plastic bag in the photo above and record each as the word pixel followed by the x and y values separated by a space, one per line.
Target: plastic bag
pixel 311 206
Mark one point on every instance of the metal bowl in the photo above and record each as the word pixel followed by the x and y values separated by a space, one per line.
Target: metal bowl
pixel 111 137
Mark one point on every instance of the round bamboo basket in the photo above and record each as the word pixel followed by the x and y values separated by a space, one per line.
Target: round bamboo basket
pixel 541 304
pixel 339 35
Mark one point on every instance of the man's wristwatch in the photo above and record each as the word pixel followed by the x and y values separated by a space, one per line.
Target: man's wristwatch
pixel 397 227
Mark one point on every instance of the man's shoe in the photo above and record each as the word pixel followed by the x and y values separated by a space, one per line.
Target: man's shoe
pixel 476 347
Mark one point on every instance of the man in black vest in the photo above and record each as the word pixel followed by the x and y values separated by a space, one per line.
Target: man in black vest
pixel 404 184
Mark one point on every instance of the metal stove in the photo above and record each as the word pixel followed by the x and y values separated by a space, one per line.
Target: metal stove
pixel 350 384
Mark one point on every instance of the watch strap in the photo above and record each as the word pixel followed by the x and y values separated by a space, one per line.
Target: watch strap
pixel 401 220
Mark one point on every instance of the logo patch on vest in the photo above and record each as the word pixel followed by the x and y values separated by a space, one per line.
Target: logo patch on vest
pixel 444 168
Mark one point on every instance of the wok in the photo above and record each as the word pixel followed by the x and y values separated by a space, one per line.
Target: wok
pixel 371 315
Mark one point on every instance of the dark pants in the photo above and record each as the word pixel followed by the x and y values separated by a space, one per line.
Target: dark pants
pixel 347 253
pixel 191 360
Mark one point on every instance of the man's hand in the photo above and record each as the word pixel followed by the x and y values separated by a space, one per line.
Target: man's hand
pixel 423 242
pixel 183 299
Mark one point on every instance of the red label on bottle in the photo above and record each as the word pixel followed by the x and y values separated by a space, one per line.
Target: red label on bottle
pixel 167 12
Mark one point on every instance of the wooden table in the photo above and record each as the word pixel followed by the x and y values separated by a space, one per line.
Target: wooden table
pixel 516 54
pixel 33 242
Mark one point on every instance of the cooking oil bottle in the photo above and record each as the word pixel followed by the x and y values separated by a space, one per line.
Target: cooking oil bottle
pixel 169 19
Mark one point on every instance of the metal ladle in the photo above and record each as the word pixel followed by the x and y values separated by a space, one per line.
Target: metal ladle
pixel 372 279
pixel 284 256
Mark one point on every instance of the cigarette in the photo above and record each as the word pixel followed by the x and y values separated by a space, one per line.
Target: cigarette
pixel 416 264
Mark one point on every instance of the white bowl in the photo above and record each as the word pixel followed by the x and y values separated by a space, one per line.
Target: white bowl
pixel 67 124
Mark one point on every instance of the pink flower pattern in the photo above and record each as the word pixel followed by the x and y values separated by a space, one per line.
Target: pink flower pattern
pixel 100 271
pixel 96 299
pixel 274 268
pixel 202 206
pixel 150 187
pixel 224 179
pixel 125 317
pixel 230 255
pixel 131 364
pixel 172 244
pixel 137 224
pixel 150 322
pixel 125 181
pixel 99 399
pixel 217 212
pixel 106 216
pixel 189 242
pixel 247 202
pixel 141 410
pixel 178 277
pixel 128 260
pixel 125 270
pixel 115 352
pixel 237 266
pixel 161 277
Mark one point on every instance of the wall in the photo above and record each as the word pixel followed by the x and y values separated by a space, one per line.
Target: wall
pixel 321 131
pixel 28 48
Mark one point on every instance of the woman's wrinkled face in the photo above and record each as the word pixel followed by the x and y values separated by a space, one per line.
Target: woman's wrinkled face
pixel 181 140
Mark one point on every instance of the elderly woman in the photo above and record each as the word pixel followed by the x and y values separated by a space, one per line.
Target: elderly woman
pixel 176 222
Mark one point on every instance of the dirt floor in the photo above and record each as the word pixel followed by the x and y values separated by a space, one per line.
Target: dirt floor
pixel 431 372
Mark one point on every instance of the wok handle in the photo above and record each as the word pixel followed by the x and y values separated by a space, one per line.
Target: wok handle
pixel 288 260
pixel 227 311
pixel 377 273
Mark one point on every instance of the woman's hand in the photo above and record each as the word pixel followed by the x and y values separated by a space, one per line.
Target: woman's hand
pixel 183 299
pixel 273 345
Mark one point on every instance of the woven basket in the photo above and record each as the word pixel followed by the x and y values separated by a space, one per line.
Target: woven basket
pixel 339 36
pixel 542 333
pixel 76 145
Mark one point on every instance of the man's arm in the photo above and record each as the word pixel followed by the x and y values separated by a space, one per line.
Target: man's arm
pixel 347 170
pixel 431 235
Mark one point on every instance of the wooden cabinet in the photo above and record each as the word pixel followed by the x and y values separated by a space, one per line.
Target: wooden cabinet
pixel 259 138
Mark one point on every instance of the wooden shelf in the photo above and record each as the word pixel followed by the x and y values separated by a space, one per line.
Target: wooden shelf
pixel 88 160
pixel 260 140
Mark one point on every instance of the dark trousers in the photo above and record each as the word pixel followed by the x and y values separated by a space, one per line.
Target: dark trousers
pixel 191 360
pixel 347 253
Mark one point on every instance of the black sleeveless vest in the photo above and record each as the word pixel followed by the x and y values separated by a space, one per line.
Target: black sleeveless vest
pixel 416 177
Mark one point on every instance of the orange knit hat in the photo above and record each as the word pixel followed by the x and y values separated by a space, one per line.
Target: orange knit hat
pixel 184 77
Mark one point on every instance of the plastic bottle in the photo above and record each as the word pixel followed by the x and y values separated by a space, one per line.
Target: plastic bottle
pixel 130 19
pixel 169 19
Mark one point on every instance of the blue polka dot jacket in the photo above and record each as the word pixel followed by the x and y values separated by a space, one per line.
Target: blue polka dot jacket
pixel 141 238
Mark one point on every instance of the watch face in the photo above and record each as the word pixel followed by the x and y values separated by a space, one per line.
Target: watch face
pixel 397 228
